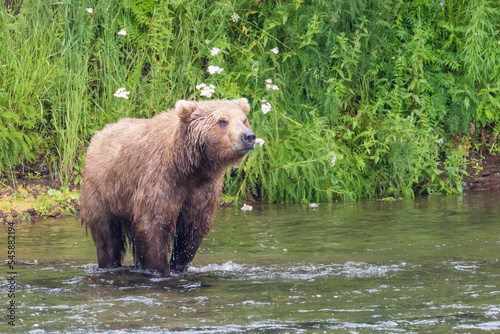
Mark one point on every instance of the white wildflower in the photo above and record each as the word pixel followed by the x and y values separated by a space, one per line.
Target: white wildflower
pixel 214 51
pixel 122 32
pixel 313 205
pixel 266 107
pixel 200 86
pixel 260 141
pixel 235 17
pixel 206 90
pixel 270 86
pixel 334 160
pixel 121 92
pixel 214 69
pixel 247 207
pixel 275 51
pixel 90 10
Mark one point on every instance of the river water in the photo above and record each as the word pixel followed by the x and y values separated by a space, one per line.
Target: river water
pixel 429 265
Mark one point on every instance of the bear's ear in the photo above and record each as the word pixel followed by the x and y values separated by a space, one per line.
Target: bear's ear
pixel 243 103
pixel 184 109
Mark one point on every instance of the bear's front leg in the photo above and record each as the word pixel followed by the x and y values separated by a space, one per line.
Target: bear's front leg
pixel 193 224
pixel 152 245
pixel 186 244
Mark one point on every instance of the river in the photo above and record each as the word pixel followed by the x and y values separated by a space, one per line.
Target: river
pixel 429 265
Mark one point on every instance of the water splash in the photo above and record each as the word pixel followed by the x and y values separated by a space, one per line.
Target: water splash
pixel 303 271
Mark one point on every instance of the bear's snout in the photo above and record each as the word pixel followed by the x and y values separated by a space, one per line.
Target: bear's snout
pixel 248 138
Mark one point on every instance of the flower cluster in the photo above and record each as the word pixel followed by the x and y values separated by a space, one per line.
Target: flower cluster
pixel 334 160
pixel 206 90
pixel 121 92
pixel 313 205
pixel 269 85
pixel 266 107
pixel 90 10
pixel 122 32
pixel 214 69
pixel 260 141
pixel 275 51
pixel 235 17
pixel 214 52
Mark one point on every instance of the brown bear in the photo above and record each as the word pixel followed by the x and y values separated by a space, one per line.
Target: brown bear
pixel 157 181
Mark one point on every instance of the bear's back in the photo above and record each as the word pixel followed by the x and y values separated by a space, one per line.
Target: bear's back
pixel 107 145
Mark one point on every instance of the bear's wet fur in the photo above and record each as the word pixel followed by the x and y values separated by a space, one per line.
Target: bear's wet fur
pixel 156 182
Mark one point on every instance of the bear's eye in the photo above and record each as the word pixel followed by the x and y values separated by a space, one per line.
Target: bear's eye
pixel 245 121
pixel 222 122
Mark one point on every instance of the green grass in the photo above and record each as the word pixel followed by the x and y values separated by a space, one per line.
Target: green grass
pixel 387 88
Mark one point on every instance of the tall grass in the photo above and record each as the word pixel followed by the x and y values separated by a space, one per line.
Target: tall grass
pixel 375 97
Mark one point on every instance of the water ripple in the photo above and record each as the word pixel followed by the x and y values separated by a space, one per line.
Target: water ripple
pixel 304 271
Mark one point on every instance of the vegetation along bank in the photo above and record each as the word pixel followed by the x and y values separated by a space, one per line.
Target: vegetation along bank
pixel 350 99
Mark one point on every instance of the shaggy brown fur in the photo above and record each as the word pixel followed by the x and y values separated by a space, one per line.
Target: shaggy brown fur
pixel 157 181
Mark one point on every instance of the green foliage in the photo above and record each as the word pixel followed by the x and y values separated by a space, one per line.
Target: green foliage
pixel 374 96
pixel 302 164
pixel 14 142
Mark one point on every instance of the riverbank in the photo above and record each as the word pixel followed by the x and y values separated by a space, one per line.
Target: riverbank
pixel 34 200
pixel 35 194
pixel 485 176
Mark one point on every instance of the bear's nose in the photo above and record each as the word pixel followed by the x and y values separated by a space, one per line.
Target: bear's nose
pixel 248 138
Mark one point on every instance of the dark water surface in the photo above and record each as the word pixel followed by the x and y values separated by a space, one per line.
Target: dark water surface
pixel 429 265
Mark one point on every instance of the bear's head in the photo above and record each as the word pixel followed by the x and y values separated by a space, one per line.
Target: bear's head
pixel 220 128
